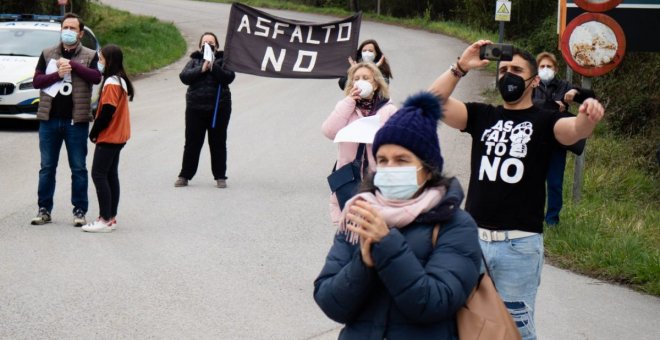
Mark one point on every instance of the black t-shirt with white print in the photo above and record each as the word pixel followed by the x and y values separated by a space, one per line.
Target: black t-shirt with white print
pixel 509 163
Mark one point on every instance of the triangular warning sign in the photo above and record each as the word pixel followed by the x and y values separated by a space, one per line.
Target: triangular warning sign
pixel 503 9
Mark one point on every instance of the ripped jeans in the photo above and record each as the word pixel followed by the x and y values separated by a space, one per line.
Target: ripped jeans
pixel 515 266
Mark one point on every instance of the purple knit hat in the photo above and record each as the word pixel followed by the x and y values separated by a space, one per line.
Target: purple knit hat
pixel 414 127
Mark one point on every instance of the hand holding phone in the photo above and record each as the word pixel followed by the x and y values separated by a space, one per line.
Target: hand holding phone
pixel 497 52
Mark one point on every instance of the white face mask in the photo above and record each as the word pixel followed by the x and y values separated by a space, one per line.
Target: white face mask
pixel 368 56
pixel 397 183
pixel 100 67
pixel 365 87
pixel 546 74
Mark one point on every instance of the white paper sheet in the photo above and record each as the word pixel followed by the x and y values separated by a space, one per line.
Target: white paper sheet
pixel 208 53
pixel 55 88
pixel 362 130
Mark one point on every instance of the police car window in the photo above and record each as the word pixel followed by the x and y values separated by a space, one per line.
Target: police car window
pixel 89 41
pixel 25 42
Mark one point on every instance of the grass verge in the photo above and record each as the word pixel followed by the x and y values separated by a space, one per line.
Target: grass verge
pixel 613 233
pixel 147 43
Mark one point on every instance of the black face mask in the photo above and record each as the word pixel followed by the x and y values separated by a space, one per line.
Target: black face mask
pixel 512 86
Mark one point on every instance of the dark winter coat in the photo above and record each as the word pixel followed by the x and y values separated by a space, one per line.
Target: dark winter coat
pixel 203 87
pixel 414 290
pixel 546 95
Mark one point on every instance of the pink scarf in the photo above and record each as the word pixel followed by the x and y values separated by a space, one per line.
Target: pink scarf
pixel 397 213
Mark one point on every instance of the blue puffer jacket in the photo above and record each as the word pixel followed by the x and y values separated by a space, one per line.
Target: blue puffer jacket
pixel 414 290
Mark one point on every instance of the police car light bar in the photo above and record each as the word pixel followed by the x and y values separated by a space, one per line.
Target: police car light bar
pixel 30 17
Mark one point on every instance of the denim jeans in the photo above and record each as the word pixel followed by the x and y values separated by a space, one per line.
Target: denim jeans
pixel 51 135
pixel 515 267
pixel 555 182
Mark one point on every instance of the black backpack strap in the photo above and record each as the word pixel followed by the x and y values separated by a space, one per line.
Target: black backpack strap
pixel 360 156
pixel 361 159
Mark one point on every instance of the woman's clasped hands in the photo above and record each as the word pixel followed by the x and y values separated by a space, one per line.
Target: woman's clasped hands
pixel 366 221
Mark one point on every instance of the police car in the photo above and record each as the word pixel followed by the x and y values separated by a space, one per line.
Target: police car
pixel 23 38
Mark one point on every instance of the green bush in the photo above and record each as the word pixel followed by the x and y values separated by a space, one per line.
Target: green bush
pixel 479 14
pixel 632 94
pixel 543 38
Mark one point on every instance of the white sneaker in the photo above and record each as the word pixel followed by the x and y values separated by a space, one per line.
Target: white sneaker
pixel 98 226
pixel 113 224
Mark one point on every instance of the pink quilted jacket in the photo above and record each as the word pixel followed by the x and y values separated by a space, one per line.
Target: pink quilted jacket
pixel 344 113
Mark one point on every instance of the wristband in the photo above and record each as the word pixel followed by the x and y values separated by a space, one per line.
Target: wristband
pixel 456 72
pixel 458 66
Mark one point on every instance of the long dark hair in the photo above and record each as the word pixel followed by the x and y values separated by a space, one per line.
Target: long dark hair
pixel 114 66
pixel 214 37
pixel 384 67
pixel 437 179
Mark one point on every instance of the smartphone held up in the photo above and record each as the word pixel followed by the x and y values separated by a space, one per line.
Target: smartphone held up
pixel 497 52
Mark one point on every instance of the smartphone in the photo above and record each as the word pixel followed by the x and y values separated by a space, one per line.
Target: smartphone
pixel 499 52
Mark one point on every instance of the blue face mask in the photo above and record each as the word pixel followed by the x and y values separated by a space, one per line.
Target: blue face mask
pixel 69 37
pixel 100 67
pixel 397 183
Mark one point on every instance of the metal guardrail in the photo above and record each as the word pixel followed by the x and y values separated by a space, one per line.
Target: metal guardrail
pixel 30 17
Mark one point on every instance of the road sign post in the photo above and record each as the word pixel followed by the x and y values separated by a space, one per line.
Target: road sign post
pixel 502 14
pixel 593 44
pixel 503 10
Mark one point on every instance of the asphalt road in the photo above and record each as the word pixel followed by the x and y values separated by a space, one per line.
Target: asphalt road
pixel 235 263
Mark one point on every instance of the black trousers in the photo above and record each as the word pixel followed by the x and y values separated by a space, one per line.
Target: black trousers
pixel 105 175
pixel 198 123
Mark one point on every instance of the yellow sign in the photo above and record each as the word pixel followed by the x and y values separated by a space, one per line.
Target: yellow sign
pixel 503 11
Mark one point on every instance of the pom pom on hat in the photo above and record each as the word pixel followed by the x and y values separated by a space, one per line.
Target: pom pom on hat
pixel 414 127
pixel 428 103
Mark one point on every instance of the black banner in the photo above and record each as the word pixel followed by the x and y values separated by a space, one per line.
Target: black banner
pixel 264 45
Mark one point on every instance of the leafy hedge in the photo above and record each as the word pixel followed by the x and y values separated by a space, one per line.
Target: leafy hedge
pixel 479 14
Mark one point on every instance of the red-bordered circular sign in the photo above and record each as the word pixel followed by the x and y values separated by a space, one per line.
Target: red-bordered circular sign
pixel 593 44
pixel 597 6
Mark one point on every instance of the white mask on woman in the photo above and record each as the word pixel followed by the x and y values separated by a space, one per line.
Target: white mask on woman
pixel 368 56
pixel 546 74
pixel 366 89
pixel 397 183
